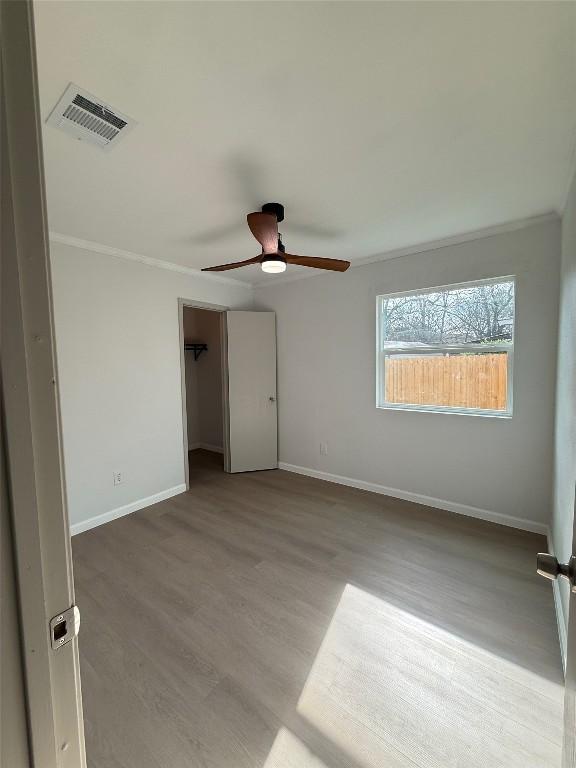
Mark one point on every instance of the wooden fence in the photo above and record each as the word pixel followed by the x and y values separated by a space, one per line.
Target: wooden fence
pixel 467 381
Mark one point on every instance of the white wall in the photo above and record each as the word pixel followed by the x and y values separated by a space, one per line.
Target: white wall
pixel 210 382
pixel 119 374
pixel 204 379
pixel 326 385
pixel 191 376
pixel 118 352
pixel 565 434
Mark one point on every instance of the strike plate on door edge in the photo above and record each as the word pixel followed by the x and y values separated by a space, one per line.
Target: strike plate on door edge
pixel 64 627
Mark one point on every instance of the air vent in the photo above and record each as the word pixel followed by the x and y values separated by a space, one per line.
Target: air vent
pixel 88 118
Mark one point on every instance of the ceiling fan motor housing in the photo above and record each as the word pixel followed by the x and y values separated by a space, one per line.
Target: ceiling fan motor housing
pixel 276 209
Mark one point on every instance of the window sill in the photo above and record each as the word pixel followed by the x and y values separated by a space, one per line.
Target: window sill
pixel 449 411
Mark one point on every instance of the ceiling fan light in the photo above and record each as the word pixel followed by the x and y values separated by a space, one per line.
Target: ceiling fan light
pixel 273 266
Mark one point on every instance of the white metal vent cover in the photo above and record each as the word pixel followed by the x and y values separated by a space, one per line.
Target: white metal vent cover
pixel 88 118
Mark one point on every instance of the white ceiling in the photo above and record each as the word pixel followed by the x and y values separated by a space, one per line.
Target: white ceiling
pixel 379 125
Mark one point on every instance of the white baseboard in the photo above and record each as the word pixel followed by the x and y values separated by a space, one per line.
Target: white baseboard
pixel 418 498
pixel 559 608
pixel 134 506
pixel 213 448
pixel 206 447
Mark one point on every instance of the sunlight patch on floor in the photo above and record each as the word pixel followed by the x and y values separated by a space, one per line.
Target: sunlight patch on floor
pixel 289 752
pixel 389 689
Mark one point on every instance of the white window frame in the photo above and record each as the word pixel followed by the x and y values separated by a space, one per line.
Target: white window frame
pixel 381 353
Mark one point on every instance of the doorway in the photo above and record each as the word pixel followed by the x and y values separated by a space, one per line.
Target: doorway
pixel 204 408
pixel 228 374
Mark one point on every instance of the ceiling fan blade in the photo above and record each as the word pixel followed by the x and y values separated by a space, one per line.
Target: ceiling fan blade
pixel 335 265
pixel 233 265
pixel 264 227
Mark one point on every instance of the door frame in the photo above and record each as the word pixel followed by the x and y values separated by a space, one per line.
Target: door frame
pixel 221 310
pixel 40 528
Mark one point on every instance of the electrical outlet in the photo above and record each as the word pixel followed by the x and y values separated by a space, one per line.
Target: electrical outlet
pixel 324 449
pixel 117 478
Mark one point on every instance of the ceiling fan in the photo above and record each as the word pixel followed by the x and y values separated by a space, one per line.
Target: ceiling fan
pixel 264 226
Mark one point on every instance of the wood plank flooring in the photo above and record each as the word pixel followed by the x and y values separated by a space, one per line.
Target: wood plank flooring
pixel 269 620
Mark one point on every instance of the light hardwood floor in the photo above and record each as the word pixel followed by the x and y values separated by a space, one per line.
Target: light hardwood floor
pixel 269 620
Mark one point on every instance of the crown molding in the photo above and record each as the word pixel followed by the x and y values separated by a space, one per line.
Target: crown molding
pixel 431 245
pixel 108 250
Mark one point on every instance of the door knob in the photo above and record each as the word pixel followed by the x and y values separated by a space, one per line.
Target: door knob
pixel 549 567
pixel 272 399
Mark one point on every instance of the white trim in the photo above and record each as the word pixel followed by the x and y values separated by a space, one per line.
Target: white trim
pixel 431 245
pixel 418 498
pixel 127 509
pixel 445 409
pixel 213 448
pixel 459 239
pixel 559 609
pixel 108 250
pixel 206 447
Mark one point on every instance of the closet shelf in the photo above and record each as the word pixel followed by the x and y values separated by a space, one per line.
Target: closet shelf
pixel 195 347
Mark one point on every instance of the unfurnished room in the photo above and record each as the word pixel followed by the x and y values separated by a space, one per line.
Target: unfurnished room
pixel 288 469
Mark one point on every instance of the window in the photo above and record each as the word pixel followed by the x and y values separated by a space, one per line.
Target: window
pixel 447 349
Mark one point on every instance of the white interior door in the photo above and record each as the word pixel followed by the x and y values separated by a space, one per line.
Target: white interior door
pixel 564 573
pixel 31 430
pixel 252 413
pixel 569 752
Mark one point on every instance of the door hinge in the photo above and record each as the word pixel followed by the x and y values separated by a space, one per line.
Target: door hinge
pixel 64 627
pixel 549 567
